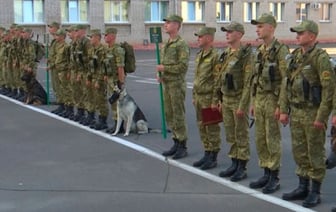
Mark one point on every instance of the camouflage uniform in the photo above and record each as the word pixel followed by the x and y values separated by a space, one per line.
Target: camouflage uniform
pixel 97 55
pixel 205 75
pixel 80 74
pixel 270 69
pixel 308 92
pixel 60 66
pixel 234 87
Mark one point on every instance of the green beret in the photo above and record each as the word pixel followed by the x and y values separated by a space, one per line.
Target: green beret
pixel 54 24
pixel 306 25
pixel 13 26
pixel 265 18
pixel 19 27
pixel 234 26
pixel 205 31
pixel 111 30
pixel 60 32
pixel 94 32
pixel 174 18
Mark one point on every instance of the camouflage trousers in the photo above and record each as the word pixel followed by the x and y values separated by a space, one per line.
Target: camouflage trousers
pixel 77 84
pixel 174 102
pixel 88 90
pixel 308 144
pixel 99 96
pixel 210 134
pixel 55 83
pixel 8 76
pixel 64 91
pixel 267 131
pixel 236 129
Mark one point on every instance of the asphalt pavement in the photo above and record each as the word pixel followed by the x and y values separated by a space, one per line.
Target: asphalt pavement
pixel 49 163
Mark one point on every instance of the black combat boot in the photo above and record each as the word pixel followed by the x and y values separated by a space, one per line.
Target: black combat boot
pixel 313 197
pixel 262 181
pixel 240 173
pixel 273 183
pixel 231 170
pixel 101 124
pixel 202 160
pixel 13 93
pixel 181 151
pixel 84 117
pixel 333 209
pixel 68 113
pixel 211 162
pixel 79 115
pixel 300 193
pixel 90 119
pixel 172 150
pixel 60 109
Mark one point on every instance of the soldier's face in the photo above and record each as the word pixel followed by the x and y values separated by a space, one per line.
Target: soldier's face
pixel 233 36
pixel 171 26
pixel 264 30
pixel 202 40
pixel 305 38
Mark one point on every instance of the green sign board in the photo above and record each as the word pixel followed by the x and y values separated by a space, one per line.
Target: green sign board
pixel 155 34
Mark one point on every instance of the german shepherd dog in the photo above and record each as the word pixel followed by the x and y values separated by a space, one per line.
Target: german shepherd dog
pixel 128 112
pixel 36 95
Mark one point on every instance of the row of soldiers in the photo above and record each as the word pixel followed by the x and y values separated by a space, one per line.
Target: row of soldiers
pixel 17 54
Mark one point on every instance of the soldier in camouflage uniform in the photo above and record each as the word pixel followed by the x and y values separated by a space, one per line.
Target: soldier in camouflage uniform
pixel 308 92
pixel 71 75
pixel 28 57
pixel 52 51
pixel 97 56
pixel 61 67
pixel 270 69
pixel 205 75
pixel 80 88
pixel 15 54
pixel 174 65
pixel 114 63
pixel 234 87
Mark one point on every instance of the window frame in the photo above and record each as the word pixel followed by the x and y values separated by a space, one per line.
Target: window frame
pixel 193 17
pixel 301 14
pixel 323 6
pixel 223 7
pixel 249 9
pixel 79 10
pixel 161 14
pixel 121 12
pixel 278 5
pixel 32 18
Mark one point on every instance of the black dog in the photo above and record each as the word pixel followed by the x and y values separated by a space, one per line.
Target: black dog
pixel 36 95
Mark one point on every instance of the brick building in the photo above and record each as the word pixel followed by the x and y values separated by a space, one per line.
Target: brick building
pixel 133 18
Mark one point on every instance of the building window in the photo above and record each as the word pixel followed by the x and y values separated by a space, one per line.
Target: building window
pixel 193 11
pixel 74 11
pixel 251 11
pixel 156 10
pixel 302 11
pixel 277 9
pixel 116 11
pixel 224 11
pixel 28 11
pixel 325 11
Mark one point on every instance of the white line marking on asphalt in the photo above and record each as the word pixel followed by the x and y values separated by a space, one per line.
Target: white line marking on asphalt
pixel 146 151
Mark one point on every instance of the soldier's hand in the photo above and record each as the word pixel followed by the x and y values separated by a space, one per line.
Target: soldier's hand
pixel 96 85
pixel 160 68
pixel 284 118
pixel 216 107
pixel 333 120
pixel 78 78
pixel 252 111
pixel 277 113
pixel 240 113
pixel 319 125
